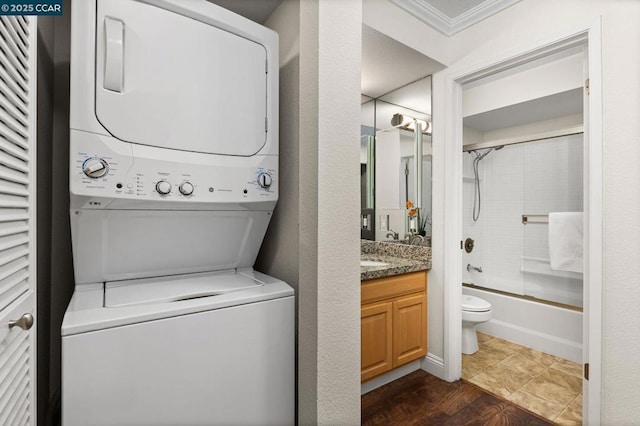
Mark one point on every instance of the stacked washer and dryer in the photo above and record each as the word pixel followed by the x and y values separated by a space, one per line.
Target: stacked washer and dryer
pixel 173 180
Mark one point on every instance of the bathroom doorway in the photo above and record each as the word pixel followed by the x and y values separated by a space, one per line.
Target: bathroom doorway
pixel 461 77
pixel 530 349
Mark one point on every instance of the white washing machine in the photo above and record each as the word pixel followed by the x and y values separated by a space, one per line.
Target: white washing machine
pixel 173 180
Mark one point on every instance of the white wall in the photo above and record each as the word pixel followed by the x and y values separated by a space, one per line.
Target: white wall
pixel 281 241
pixel 389 19
pixel 542 79
pixel 329 291
pixel 522 24
pixel 313 239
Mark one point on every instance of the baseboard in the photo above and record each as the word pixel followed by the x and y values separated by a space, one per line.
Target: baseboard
pixel 433 364
pixel 389 377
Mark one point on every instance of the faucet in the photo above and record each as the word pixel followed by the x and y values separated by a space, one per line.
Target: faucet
pixel 475 268
pixel 416 237
pixel 394 235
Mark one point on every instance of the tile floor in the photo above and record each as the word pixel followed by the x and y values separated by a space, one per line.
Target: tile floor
pixel 541 383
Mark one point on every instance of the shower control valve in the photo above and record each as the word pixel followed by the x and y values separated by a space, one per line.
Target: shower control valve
pixel 265 180
pixel 468 245
pixel 163 187
pixel 95 167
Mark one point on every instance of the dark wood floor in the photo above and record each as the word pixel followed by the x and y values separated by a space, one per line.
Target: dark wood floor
pixel 422 399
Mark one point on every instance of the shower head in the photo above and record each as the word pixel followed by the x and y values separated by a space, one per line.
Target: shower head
pixel 476 165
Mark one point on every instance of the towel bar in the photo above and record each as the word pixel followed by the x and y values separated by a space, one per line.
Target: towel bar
pixel 525 219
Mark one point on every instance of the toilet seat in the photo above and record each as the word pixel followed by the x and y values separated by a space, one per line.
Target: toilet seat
pixel 474 304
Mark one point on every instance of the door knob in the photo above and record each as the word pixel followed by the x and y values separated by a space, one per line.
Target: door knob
pixel 25 322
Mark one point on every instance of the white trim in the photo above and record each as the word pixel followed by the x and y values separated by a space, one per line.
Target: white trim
pixel 432 16
pixel 451 160
pixel 433 364
pixel 453 230
pixel 389 377
pixel 594 272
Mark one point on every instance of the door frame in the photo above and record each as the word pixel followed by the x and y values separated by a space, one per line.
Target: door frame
pixel 587 34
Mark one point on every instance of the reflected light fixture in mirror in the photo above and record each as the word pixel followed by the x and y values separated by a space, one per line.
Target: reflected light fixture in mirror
pixel 407 122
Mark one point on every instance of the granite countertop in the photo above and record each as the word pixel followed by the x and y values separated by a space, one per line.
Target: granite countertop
pixel 400 259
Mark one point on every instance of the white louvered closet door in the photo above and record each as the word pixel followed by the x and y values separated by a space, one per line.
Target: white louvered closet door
pixel 17 219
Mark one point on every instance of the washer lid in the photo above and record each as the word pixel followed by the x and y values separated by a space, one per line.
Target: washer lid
pixel 88 312
pixel 174 288
pixel 474 304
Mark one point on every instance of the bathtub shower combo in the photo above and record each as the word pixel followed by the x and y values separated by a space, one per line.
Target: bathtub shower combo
pixel 523 208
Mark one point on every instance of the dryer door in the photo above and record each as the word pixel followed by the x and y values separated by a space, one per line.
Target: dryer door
pixel 167 80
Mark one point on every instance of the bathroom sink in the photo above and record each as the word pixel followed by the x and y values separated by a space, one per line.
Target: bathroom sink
pixel 372 263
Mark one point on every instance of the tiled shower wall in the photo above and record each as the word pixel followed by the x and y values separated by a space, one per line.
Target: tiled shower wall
pixel 523 179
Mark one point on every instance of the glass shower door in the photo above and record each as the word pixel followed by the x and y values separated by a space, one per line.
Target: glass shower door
pixel 497 232
pixel 553 182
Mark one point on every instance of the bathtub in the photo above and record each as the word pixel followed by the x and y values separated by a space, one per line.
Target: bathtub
pixel 547 328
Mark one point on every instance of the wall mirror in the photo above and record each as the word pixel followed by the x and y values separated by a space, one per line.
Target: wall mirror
pixel 395 130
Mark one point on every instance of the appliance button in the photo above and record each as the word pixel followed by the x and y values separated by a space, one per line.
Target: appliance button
pixel 186 188
pixel 163 187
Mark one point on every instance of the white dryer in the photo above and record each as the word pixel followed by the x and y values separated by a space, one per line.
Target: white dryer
pixel 173 180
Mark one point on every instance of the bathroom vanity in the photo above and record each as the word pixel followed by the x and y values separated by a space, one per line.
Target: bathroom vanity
pixel 393 306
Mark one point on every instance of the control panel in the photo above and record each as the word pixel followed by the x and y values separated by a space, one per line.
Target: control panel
pixel 107 168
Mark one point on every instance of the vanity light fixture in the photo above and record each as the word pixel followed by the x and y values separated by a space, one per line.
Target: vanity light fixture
pixel 409 123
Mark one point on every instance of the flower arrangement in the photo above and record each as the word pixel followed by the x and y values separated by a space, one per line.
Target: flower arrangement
pixel 417 224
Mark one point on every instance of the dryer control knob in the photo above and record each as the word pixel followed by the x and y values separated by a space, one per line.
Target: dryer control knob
pixel 163 187
pixel 95 168
pixel 186 188
pixel 265 180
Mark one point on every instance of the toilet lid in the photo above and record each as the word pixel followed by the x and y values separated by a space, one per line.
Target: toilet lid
pixel 474 304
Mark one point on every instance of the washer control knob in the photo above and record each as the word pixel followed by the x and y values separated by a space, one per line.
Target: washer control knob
pixel 95 168
pixel 163 187
pixel 186 188
pixel 265 180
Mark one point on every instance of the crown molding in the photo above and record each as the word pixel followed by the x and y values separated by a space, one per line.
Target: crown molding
pixel 433 17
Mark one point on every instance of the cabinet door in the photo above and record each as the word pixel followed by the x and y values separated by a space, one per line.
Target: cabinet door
pixel 376 329
pixel 409 329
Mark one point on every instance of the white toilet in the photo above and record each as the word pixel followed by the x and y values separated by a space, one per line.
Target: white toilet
pixel 474 311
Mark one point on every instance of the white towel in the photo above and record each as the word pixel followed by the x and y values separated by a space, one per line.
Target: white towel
pixel 565 241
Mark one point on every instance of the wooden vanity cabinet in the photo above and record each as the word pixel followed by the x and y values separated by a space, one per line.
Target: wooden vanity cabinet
pixel 377 344
pixel 393 322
